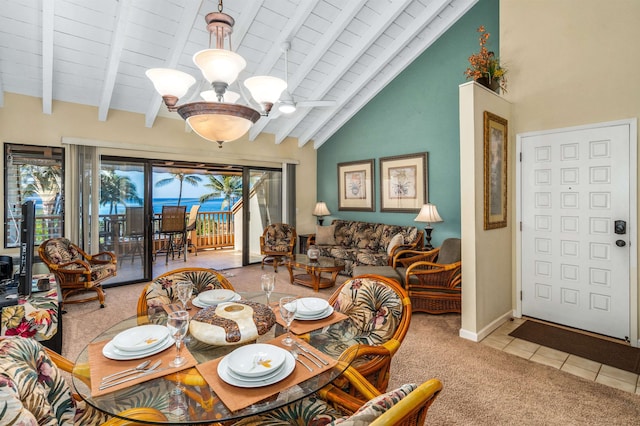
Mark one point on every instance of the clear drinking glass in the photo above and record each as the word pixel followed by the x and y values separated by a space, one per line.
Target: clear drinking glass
pixel 178 325
pixel 288 307
pixel 268 282
pixel 184 289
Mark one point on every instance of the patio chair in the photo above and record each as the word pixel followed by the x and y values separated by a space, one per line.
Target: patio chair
pixel 160 291
pixel 35 391
pixel 277 241
pixel 134 232
pixel 406 405
pixel 174 225
pixel 75 270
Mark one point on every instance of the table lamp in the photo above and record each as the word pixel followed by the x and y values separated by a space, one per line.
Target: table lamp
pixel 428 213
pixel 321 211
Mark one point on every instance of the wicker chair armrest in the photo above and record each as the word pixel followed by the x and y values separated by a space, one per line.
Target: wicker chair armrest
pixel 95 258
pixel 357 382
pixel 436 275
pixel 412 409
pixel 143 414
pixel 407 257
pixel 311 240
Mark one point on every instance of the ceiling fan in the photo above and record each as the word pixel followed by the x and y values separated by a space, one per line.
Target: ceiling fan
pixel 286 103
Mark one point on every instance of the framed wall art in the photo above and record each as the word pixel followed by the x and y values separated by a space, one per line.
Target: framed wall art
pixel 403 182
pixel 495 171
pixel 355 186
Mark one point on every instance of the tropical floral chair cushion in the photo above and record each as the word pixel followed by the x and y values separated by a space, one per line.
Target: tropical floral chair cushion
pixel 36 316
pixel 32 390
pixel 161 292
pixel 314 411
pixel 278 237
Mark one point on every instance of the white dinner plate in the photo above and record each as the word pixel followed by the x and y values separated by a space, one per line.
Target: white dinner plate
pixel 200 304
pixel 321 315
pixel 111 352
pixel 215 296
pixel 256 379
pixel 256 360
pixel 310 306
pixel 139 338
pixel 287 369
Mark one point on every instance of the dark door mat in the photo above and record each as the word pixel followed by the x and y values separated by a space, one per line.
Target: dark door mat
pixel 603 351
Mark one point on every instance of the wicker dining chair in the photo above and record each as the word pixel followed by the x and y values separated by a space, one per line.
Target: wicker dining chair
pixel 34 390
pixel 380 313
pixel 405 405
pixel 160 291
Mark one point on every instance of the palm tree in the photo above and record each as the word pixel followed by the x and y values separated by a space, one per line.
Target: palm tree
pixel 116 189
pixel 182 177
pixel 44 182
pixel 229 187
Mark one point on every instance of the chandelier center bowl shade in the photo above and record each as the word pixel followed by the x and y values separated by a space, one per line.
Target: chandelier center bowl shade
pixel 218 118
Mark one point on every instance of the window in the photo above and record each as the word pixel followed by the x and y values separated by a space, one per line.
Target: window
pixel 33 173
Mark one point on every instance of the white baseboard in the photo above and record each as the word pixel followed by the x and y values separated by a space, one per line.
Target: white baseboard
pixel 476 337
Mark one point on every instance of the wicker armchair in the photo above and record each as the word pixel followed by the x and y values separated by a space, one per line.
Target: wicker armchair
pixel 406 405
pixel 34 390
pixel 277 242
pixel 380 312
pixel 435 286
pixel 77 271
pixel 160 292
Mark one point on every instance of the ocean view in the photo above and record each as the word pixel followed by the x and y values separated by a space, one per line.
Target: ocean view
pixel 208 206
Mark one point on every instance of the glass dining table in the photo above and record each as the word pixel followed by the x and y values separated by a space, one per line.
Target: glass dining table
pixel 187 403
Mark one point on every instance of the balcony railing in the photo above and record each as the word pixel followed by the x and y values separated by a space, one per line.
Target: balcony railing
pixel 213 230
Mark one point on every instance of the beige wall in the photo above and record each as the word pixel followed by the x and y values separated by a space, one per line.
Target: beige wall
pixel 487 261
pixel 125 134
pixel 571 62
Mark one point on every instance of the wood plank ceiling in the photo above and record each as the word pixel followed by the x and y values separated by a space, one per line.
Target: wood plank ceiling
pixel 95 52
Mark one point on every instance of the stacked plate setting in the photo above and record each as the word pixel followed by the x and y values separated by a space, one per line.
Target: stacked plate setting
pixel 138 342
pixel 256 365
pixel 312 308
pixel 215 297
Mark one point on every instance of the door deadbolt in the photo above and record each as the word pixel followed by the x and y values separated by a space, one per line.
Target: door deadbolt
pixel 621 243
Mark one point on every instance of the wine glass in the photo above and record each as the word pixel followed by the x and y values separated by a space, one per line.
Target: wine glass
pixel 268 282
pixel 184 290
pixel 178 324
pixel 288 307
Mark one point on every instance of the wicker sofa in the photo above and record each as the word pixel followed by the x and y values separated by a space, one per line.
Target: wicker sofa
pixel 364 243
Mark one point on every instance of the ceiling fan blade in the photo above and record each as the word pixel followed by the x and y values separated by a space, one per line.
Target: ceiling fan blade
pixel 316 104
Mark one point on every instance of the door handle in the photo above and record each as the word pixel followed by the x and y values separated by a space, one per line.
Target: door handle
pixel 621 243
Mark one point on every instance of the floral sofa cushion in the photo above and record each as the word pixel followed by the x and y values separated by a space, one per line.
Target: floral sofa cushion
pixel 365 243
pixel 161 292
pixel 36 316
pixel 32 390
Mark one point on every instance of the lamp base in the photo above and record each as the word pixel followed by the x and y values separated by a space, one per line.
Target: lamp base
pixel 427 234
pixel 320 221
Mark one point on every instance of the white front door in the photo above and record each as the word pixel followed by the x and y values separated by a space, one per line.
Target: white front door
pixel 575 267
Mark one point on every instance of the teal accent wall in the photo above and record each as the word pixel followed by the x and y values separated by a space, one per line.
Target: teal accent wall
pixel 416 112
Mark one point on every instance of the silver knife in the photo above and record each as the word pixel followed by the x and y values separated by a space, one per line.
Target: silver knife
pixel 137 376
pixel 124 373
pixel 303 349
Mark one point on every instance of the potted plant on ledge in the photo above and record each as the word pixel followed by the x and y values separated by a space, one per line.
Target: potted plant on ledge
pixel 484 66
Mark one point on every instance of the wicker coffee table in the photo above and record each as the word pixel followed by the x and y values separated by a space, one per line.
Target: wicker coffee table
pixel 314 268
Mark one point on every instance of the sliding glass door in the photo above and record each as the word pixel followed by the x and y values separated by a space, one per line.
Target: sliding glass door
pixel 264 201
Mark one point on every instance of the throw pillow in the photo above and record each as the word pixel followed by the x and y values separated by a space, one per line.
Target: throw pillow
pixel 325 235
pixel 395 241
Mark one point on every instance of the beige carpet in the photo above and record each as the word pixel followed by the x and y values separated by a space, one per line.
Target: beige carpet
pixel 482 386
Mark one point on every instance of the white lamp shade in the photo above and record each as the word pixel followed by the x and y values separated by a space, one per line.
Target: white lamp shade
pixel 170 82
pixel 321 209
pixel 229 96
pixel 428 213
pixel 265 89
pixel 219 65
pixel 217 121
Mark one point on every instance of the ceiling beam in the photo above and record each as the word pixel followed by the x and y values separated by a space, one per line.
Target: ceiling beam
pixel 423 31
pixel 187 21
pixel 115 53
pixel 47 55
pixel 320 47
pixel 353 54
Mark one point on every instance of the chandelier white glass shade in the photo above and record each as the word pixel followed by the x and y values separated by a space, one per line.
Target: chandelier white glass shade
pixel 218 118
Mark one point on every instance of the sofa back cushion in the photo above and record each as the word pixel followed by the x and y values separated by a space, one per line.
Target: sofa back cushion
pixel 344 232
pixel 325 235
pixel 366 236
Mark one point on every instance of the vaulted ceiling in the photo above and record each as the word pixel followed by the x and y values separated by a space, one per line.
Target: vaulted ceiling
pixel 96 52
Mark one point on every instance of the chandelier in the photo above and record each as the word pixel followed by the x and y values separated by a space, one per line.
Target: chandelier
pixel 218 118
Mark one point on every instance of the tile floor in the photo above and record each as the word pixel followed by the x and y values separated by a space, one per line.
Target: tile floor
pixel 582 367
